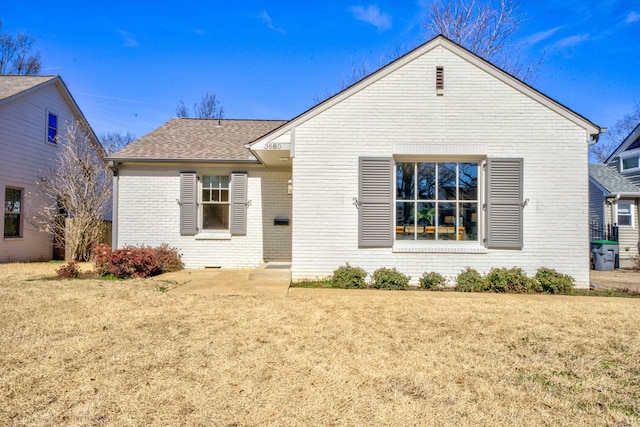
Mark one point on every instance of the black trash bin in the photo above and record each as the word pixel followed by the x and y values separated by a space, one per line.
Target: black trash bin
pixel 605 254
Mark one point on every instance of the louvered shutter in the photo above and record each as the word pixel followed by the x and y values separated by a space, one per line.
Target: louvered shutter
pixel 504 203
pixel 188 205
pixel 238 203
pixel 375 214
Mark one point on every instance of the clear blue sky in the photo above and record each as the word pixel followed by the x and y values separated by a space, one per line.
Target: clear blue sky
pixel 128 64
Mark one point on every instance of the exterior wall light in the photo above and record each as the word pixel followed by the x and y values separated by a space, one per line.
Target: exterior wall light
pixel 290 187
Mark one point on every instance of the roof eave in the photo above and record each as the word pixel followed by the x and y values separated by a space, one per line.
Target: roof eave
pixel 623 194
pixel 635 133
pixel 173 160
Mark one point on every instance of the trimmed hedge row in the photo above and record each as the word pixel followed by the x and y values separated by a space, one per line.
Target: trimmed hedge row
pixel 499 280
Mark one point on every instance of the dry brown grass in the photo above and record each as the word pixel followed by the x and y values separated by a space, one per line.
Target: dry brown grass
pixel 86 352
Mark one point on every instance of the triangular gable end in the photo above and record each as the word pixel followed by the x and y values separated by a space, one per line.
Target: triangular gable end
pixel 71 102
pixel 287 131
pixel 624 145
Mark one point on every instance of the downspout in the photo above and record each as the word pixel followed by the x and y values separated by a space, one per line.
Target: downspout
pixel 114 207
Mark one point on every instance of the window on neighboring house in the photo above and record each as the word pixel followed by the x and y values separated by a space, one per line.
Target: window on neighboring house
pixel 629 163
pixel 436 201
pixel 215 202
pixel 12 212
pixel 52 128
pixel 625 214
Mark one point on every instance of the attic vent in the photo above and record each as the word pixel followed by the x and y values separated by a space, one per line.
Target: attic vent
pixel 439 81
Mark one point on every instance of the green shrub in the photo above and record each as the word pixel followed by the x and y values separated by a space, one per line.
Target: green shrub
pixel 386 278
pixel 470 280
pixel 69 271
pixel 554 282
pixel 432 280
pixel 348 277
pixel 510 280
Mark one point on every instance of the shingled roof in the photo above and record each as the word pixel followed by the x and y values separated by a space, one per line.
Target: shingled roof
pixel 11 85
pixel 201 140
pixel 611 180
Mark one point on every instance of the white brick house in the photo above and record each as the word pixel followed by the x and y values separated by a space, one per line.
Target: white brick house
pixel 33 113
pixel 436 162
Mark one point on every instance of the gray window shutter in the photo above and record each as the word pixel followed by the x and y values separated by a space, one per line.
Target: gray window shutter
pixel 504 203
pixel 238 203
pixel 375 214
pixel 188 203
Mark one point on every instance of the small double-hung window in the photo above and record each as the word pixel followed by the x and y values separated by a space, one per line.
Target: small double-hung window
pixel 12 212
pixel 52 128
pixel 436 201
pixel 625 214
pixel 215 202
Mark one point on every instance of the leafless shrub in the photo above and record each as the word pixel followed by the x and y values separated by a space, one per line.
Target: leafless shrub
pixel 75 194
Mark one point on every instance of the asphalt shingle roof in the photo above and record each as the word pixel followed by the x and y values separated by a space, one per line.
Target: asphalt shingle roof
pixel 199 139
pixel 11 85
pixel 611 180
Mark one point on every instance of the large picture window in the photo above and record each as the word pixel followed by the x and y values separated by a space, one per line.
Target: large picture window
pixel 215 203
pixel 12 212
pixel 436 201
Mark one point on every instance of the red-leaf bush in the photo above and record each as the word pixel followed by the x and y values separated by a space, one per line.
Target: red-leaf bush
pixel 136 261
pixel 69 271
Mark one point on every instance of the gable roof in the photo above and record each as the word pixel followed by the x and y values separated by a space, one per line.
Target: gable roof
pixel 198 140
pixel 15 86
pixel 12 85
pixel 630 139
pixel 612 181
pixel 464 53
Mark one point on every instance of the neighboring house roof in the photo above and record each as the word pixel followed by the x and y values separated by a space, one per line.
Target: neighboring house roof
pixel 12 85
pixel 16 86
pixel 611 181
pixel 435 42
pixel 630 139
pixel 198 140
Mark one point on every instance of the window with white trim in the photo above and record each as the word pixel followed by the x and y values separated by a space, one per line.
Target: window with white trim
pixel 12 212
pixel 629 163
pixel 625 214
pixel 52 128
pixel 436 201
pixel 215 203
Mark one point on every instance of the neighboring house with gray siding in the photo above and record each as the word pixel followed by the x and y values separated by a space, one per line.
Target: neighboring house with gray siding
pixel 626 158
pixel 613 202
pixel 614 196
pixel 436 162
pixel 33 113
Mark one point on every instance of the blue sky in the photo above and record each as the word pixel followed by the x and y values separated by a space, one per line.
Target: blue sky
pixel 128 64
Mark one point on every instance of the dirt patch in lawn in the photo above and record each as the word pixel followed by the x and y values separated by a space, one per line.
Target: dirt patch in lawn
pixel 91 352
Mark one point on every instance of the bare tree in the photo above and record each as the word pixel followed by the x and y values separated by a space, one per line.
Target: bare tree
pixel 485 27
pixel 16 56
pixel 77 194
pixel 361 70
pixel 614 136
pixel 114 141
pixel 208 108
pixel 181 109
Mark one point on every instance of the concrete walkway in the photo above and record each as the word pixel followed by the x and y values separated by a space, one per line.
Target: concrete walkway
pixel 269 279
